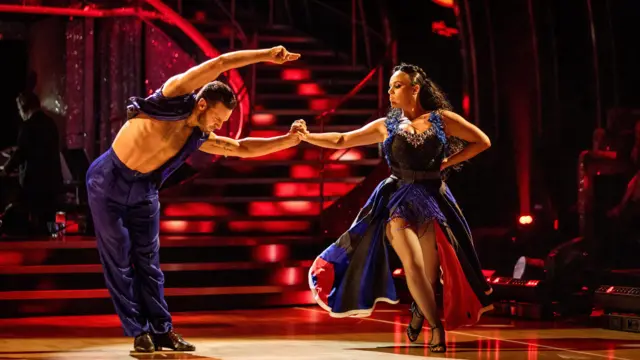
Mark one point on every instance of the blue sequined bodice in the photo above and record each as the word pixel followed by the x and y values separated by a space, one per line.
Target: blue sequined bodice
pixel 419 151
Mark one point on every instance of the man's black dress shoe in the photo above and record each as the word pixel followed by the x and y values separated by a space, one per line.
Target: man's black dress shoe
pixel 143 343
pixel 172 341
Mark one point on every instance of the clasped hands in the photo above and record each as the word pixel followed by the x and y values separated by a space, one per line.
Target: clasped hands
pixel 298 131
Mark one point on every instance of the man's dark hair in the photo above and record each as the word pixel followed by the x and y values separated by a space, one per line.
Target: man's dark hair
pixel 218 91
pixel 28 101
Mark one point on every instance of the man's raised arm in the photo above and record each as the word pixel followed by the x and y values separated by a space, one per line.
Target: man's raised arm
pixel 208 71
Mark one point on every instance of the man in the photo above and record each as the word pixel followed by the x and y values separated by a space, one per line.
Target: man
pixel 162 131
pixel 37 156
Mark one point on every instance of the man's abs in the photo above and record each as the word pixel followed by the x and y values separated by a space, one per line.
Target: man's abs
pixel 144 145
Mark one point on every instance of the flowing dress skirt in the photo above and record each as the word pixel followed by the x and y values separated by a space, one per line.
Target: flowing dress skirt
pixel 353 273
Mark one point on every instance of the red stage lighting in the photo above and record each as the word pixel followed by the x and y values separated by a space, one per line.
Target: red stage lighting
pixel 525 220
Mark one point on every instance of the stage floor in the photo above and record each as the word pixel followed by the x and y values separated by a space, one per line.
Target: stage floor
pixel 309 333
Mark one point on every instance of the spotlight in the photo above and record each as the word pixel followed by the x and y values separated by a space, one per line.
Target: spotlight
pixel 525 220
pixel 528 268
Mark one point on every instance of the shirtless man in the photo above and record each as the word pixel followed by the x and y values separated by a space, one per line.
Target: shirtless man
pixel 161 132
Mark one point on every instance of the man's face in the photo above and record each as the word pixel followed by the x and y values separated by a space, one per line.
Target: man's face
pixel 212 117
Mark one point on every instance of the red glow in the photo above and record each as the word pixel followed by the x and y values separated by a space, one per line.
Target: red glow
pixel 258 208
pixel 271 253
pixel 300 207
pixel 327 204
pixel 440 28
pixel 294 189
pixel 295 74
pixel 337 189
pixel 610 289
pixel 555 224
pixel 311 154
pixel 309 89
pixel 466 104
pixel 182 226
pixel 84 12
pixel 398 272
pixel 195 208
pixel 11 258
pixel 200 15
pixel 488 273
pixel 285 154
pixel 225 30
pixel 304 172
pixel 337 170
pixel 444 3
pixel 532 283
pixel 263 119
pixel 298 297
pixel 330 189
pixel 173 226
pixel 321 104
pixel 525 220
pixel 264 133
pixel 347 155
pixel 289 276
pixel 269 226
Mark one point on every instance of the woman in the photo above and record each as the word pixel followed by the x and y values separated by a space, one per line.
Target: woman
pixel 414 210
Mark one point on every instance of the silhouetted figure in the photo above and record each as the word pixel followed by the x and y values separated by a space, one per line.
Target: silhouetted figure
pixel 37 156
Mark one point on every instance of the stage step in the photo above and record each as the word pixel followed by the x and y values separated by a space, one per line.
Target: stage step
pixel 311 112
pixel 333 69
pixel 310 126
pixel 276 96
pixel 251 181
pixel 179 299
pixel 336 81
pixel 167 241
pixel 186 275
pixel 247 199
pixel 97 268
pixel 251 162
pixel 198 250
pixel 201 273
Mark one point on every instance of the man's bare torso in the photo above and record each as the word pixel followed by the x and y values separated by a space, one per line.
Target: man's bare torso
pixel 144 144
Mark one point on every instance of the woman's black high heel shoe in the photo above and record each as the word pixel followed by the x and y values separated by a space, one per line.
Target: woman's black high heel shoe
pixel 442 345
pixel 413 333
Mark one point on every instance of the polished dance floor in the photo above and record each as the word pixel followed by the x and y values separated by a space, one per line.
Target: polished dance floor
pixel 309 333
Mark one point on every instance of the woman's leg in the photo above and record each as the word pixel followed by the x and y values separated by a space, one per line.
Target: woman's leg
pixel 430 253
pixel 406 244
pixel 432 271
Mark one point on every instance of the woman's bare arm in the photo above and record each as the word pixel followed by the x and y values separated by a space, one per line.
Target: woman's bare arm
pixel 456 125
pixel 372 133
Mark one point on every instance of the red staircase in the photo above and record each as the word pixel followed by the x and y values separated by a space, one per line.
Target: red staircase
pixel 283 193
pixel 244 232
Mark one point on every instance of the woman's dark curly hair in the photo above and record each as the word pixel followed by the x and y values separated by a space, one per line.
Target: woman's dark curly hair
pixel 431 97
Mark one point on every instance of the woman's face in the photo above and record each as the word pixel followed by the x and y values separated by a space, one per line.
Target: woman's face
pixel 402 94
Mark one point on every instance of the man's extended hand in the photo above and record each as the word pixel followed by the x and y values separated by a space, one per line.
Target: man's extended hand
pixel 280 55
pixel 298 129
pixel 299 126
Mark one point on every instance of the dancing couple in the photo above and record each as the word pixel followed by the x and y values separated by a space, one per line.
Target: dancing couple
pixel 412 210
